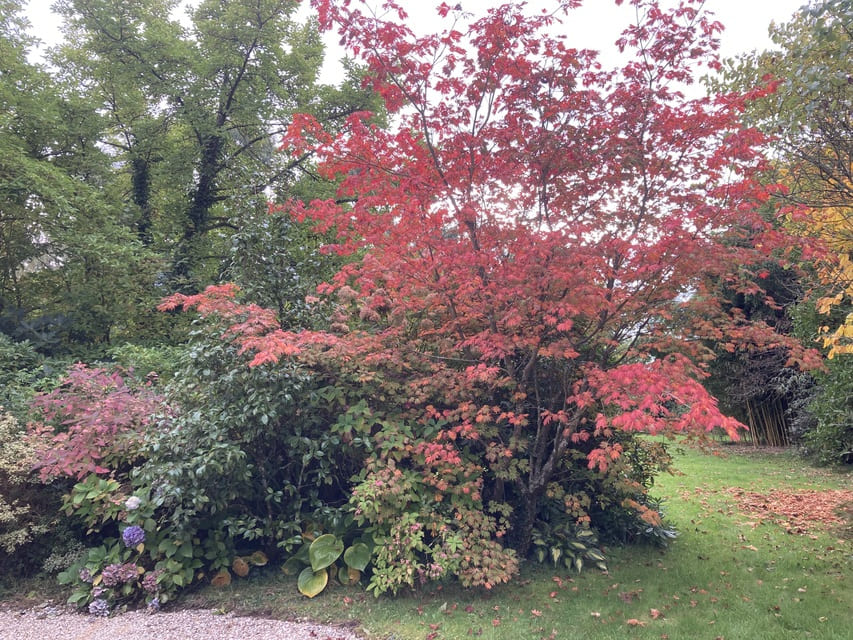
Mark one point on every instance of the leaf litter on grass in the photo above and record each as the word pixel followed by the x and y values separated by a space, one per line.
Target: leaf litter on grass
pixel 798 512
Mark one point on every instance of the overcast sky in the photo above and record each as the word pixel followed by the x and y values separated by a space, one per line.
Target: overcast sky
pixel 596 25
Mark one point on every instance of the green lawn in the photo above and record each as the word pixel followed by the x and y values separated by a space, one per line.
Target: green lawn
pixel 728 575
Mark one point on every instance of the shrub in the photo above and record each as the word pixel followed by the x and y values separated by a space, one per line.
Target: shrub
pixel 825 403
pixel 23 373
pixel 28 508
pixel 830 441
pixel 142 361
pixel 94 422
pixel 136 558
pixel 252 454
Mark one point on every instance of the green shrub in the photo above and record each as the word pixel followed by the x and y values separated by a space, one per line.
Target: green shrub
pixel 28 508
pixel 23 373
pixel 251 454
pixel 830 441
pixel 133 556
pixel 827 404
pixel 143 361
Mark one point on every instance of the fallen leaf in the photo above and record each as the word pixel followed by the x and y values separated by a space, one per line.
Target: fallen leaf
pixel 635 623
pixel 655 614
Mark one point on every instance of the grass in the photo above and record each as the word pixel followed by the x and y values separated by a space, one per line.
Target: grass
pixel 728 575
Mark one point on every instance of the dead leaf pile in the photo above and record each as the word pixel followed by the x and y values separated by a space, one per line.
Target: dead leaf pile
pixel 798 512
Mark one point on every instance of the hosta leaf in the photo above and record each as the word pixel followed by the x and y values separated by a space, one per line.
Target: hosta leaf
pixel 292 566
pixel 324 551
pixel 357 556
pixel 302 553
pixel 556 554
pixel 310 583
pixel 348 576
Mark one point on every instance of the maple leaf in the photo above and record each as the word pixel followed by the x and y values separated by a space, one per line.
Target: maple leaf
pixel 535 244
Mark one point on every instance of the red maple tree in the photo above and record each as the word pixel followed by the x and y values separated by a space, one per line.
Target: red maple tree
pixel 536 243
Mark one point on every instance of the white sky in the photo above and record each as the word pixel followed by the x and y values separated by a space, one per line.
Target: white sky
pixel 596 25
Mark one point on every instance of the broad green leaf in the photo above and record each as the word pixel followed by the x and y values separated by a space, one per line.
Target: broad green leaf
pixel 357 556
pixel 348 576
pixel 310 583
pixel 324 551
pixel 302 553
pixel 292 566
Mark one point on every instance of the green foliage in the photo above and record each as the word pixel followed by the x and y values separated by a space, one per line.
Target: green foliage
pixel 831 439
pixel 426 516
pixel 567 544
pixel 327 557
pixel 250 453
pixel 194 114
pixel 19 364
pixel 824 399
pixel 28 508
pixel 161 360
pixel 123 569
pixel 276 262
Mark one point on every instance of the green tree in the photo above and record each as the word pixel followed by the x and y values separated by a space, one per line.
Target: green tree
pixel 62 255
pixel 806 111
pixel 804 102
pixel 194 113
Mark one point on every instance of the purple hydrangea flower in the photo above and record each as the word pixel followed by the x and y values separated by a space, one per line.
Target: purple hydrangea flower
pixel 85 575
pixel 111 575
pixel 153 605
pixel 115 574
pixel 128 572
pixel 133 536
pixel 99 607
pixel 149 581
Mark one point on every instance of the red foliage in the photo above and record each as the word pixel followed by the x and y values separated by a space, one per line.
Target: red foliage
pixel 92 423
pixel 539 238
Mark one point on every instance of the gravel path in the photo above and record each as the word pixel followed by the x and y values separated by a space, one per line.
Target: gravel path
pixel 54 623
